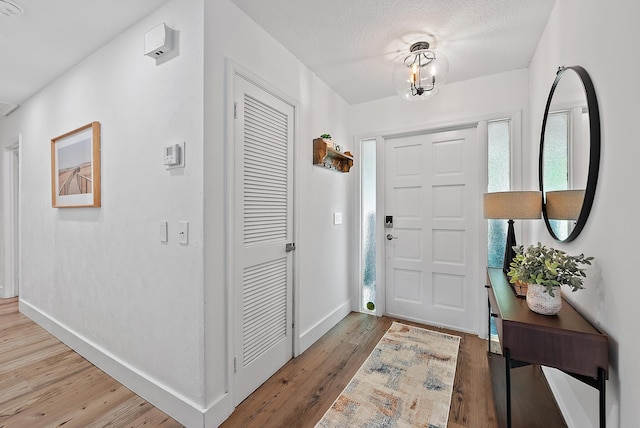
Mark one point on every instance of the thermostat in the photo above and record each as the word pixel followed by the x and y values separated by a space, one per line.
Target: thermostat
pixel 174 156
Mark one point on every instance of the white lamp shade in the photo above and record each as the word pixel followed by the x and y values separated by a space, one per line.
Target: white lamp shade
pixel 513 205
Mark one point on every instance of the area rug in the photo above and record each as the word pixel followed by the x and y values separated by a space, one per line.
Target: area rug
pixel 407 381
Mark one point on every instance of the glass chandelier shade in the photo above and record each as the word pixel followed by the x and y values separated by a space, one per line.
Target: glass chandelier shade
pixel 421 73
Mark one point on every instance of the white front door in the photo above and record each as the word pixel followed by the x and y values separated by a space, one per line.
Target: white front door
pixel 431 253
pixel 263 144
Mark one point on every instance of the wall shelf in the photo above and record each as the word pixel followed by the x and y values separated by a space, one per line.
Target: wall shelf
pixel 328 157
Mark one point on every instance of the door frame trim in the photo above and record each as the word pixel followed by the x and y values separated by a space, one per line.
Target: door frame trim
pixel 11 194
pixel 233 70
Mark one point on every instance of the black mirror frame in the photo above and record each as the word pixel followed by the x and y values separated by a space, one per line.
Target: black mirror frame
pixel 594 150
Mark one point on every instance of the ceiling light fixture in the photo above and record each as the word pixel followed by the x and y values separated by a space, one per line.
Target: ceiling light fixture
pixel 10 9
pixel 421 74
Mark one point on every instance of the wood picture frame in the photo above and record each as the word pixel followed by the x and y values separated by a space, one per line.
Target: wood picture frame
pixel 75 168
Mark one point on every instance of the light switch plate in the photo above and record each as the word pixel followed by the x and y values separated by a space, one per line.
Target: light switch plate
pixel 337 218
pixel 163 231
pixel 183 232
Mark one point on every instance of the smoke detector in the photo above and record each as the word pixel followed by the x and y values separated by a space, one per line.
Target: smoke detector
pixel 10 9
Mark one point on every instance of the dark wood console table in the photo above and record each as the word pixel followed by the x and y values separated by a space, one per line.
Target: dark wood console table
pixel 566 341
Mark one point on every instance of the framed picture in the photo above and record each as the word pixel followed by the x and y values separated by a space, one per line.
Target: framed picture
pixel 75 168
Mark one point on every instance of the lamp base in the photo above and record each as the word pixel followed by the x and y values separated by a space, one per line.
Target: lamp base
pixel 509 253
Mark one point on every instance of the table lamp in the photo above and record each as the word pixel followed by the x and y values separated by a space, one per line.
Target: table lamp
pixel 564 204
pixel 518 205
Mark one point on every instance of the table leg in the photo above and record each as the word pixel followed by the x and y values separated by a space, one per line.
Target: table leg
pixel 489 326
pixel 507 368
pixel 603 401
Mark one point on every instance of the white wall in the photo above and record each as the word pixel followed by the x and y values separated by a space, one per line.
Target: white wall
pixel 99 277
pixel 323 256
pixel 603 39
pixel 483 97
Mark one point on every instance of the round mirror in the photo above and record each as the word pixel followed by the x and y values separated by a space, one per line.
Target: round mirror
pixel 569 153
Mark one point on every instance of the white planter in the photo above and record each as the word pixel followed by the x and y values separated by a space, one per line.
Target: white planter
pixel 541 302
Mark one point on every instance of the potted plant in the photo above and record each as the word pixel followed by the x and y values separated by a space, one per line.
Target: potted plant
pixel 545 269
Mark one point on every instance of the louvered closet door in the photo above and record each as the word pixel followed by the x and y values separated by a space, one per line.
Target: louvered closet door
pixel 263 217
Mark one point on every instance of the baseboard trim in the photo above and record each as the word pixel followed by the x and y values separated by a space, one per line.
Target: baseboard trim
pixel 180 408
pixel 318 330
pixel 218 412
pixel 432 324
pixel 566 399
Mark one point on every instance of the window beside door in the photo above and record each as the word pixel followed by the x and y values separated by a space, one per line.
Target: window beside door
pixel 499 180
pixel 368 225
pixel 556 160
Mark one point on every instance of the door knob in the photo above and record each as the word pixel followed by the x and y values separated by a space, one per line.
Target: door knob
pixel 390 237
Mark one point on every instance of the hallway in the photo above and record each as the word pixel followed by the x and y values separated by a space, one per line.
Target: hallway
pixel 43 383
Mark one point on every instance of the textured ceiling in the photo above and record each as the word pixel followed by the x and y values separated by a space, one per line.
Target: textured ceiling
pixel 53 35
pixel 352 45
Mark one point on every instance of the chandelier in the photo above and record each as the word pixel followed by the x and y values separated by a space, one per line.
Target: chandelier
pixel 421 74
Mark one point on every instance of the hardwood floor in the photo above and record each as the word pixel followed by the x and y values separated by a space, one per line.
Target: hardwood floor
pixel 43 383
pixel 299 393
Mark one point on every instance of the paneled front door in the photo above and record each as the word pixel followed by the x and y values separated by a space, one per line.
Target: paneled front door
pixel 432 192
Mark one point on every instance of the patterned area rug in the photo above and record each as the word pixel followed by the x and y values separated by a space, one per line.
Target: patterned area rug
pixel 407 381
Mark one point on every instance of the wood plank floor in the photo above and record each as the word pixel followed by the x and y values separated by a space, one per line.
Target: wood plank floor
pixel 43 383
pixel 299 393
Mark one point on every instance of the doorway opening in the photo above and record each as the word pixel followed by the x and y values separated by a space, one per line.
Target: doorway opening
pixel 11 280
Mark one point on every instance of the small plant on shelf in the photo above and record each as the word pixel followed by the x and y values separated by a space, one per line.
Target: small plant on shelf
pixel 548 267
pixel 327 140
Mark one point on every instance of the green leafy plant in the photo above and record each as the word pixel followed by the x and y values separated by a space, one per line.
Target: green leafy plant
pixel 326 136
pixel 547 266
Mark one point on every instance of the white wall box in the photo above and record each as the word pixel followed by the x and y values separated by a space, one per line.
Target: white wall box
pixel 158 41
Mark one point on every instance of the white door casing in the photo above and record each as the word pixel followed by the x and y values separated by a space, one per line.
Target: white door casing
pixel 432 192
pixel 10 283
pixel 263 202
